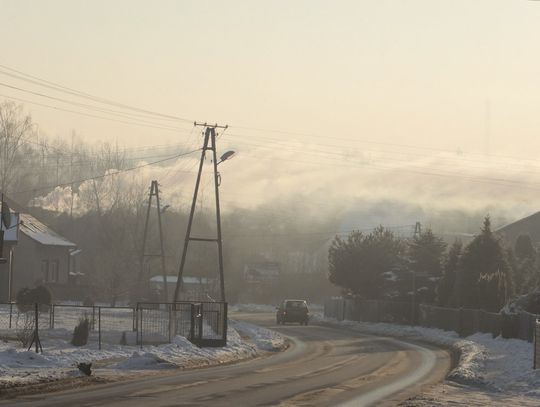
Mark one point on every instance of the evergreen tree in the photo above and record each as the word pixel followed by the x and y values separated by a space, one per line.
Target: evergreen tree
pixel 483 257
pixel 446 285
pixel 524 265
pixel 359 262
pixel 426 253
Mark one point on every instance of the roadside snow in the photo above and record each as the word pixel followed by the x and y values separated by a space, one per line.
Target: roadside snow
pixel 492 365
pixel 59 357
pixel 252 308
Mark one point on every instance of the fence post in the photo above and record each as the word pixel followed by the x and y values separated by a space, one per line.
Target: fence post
pixel 36 322
pixel 10 313
pixel 225 321
pixel 169 307
pixel 135 316
pixel 192 323
pixel 99 327
pixel 51 316
pixel 93 317
pixel 140 326
pixel 201 319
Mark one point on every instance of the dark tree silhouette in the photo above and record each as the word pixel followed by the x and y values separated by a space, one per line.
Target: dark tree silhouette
pixel 358 262
pixel 447 282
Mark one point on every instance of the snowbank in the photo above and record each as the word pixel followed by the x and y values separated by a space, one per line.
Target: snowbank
pixel 494 364
pixel 59 358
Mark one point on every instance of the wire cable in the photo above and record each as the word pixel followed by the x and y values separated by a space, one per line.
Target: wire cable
pixel 104 175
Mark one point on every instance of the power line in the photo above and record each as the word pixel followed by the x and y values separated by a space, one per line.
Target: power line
pixel 104 175
pixel 498 181
pixel 94 116
pixel 99 99
pixel 409 146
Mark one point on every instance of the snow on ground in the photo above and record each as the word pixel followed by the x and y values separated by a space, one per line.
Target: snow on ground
pixel 252 308
pixel 267 308
pixel 490 371
pixel 59 357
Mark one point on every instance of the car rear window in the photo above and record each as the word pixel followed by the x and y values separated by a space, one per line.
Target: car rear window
pixel 296 304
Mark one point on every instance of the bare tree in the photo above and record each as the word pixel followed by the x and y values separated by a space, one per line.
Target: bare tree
pixel 15 129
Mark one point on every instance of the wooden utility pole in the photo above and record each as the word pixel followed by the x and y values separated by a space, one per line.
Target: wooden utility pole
pixel 209 143
pixel 154 191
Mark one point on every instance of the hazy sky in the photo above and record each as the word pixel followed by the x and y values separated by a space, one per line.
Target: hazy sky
pixel 426 73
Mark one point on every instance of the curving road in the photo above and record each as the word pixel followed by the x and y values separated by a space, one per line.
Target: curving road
pixel 324 367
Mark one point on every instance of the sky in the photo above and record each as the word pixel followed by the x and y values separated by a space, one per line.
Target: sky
pixel 447 86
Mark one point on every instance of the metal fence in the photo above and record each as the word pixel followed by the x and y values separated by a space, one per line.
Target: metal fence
pixel 463 321
pixel 203 323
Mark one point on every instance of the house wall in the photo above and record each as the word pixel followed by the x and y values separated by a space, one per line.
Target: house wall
pixel 28 266
pixel 4 275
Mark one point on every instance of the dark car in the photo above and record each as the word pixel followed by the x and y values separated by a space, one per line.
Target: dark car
pixel 292 311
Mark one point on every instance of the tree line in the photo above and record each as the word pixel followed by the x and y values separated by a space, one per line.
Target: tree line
pixel 483 274
pixel 105 218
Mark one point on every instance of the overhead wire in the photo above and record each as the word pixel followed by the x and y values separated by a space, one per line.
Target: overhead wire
pixel 91 115
pixel 103 175
pixel 99 99
pixel 57 87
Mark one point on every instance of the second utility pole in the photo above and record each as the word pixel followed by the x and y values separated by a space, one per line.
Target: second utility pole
pixel 208 144
pixel 154 191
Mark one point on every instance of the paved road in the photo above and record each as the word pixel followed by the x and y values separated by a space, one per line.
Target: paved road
pixel 324 367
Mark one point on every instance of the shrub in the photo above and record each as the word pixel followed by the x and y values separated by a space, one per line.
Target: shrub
pixel 88 301
pixel 27 297
pixel 81 331
pixel 23 298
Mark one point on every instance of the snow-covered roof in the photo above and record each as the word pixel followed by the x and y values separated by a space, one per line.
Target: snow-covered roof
pixel 41 233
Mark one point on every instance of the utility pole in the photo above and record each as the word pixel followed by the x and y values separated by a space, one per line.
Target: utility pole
pixel 209 143
pixel 417 229
pixel 154 191
pixel 417 234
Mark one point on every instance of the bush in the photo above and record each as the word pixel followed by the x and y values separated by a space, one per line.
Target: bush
pixel 81 331
pixel 27 297
pixel 88 301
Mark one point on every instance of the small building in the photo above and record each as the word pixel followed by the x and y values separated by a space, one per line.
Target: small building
pixel 193 288
pixel 11 237
pixel 262 272
pixel 529 225
pixel 39 256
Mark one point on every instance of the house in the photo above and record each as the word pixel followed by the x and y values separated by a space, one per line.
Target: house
pixel 529 225
pixel 39 256
pixel 11 237
pixel 262 272
pixel 193 288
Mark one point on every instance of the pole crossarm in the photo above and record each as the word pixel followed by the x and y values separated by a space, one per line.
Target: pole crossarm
pixel 202 239
pixel 213 126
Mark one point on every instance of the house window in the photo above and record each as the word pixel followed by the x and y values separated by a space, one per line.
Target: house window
pixel 53 271
pixel 45 270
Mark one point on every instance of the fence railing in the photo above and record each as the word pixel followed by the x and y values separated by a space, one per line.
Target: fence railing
pixel 203 323
pixel 463 321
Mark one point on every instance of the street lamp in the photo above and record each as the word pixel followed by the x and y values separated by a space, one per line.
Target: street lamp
pixel 226 156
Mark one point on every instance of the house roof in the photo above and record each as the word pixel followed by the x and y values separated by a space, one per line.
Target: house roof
pixel 529 225
pixel 185 279
pixel 41 233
